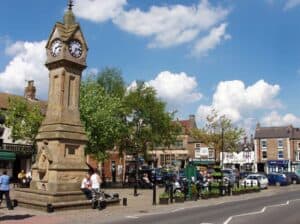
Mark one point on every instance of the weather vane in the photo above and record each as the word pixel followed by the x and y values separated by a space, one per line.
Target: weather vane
pixel 70 4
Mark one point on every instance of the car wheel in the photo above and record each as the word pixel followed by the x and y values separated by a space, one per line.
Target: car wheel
pixel 294 182
pixel 277 184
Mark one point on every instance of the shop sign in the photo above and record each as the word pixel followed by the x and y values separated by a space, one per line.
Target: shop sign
pixel 201 152
pixel 238 158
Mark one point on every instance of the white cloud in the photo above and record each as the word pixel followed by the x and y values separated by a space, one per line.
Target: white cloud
pixel 210 41
pixel 234 99
pixel 291 4
pixel 27 63
pixel 171 25
pixel 275 119
pixel 176 88
pixel 99 10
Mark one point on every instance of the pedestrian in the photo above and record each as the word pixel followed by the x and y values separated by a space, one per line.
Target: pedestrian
pixel 22 179
pixel 86 186
pixel 4 189
pixel 95 181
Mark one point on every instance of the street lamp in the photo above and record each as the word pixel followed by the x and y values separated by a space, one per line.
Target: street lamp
pixel 138 131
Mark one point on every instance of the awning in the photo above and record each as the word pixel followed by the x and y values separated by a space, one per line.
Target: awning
pixel 203 162
pixel 7 155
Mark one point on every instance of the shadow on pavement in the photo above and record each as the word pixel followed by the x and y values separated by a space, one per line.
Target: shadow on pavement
pixel 14 217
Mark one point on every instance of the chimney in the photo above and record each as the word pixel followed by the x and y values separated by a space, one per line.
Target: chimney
pixel 30 91
pixel 258 125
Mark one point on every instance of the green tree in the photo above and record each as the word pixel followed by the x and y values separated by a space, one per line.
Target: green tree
pixel 24 118
pixel 112 82
pixel 102 116
pixel 219 133
pixel 148 122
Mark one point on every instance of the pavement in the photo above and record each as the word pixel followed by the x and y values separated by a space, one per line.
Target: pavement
pixel 137 206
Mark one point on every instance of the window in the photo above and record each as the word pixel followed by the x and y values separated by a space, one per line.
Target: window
pixel 298 155
pixel 211 153
pixel 264 155
pixel 279 143
pixel 298 145
pixel 280 154
pixel 197 145
pixel 264 144
pixel 178 144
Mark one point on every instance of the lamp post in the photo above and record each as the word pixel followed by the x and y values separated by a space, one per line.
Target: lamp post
pixel 138 131
pixel 154 182
pixel 222 136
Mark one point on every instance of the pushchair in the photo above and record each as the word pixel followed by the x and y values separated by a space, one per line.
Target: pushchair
pixel 98 199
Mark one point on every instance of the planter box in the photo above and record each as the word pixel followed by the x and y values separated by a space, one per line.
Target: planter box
pixel 163 201
pixel 236 193
pixel 179 200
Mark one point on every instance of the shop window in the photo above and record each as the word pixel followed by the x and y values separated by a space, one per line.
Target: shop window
pixel 264 144
pixel 5 164
pixel 211 153
pixel 279 143
pixel 264 155
pixel 280 154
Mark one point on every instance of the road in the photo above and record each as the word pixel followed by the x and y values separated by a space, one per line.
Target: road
pixel 281 208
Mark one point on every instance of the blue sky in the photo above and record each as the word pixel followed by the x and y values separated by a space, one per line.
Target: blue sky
pixel 239 57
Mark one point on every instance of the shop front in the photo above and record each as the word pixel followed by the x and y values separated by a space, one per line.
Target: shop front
pixel 7 162
pixel 278 166
pixel 242 161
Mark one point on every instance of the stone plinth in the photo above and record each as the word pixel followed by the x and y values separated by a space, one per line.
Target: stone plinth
pixel 41 200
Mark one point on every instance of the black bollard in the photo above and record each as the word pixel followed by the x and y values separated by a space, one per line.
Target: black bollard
pixel 124 201
pixel 171 193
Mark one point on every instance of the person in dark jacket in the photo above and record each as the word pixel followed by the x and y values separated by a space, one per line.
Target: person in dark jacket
pixel 4 189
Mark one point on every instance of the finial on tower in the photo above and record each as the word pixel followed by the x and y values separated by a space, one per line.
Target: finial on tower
pixel 70 4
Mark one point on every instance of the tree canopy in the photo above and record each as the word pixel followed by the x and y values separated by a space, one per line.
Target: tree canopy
pixel 219 133
pixel 102 116
pixel 24 119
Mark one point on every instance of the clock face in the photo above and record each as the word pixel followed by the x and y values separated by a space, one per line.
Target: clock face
pixel 75 48
pixel 56 47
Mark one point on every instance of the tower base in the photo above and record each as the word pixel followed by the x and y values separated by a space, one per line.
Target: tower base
pixel 49 202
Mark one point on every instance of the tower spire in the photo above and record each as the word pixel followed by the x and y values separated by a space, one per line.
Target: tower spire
pixel 70 4
pixel 69 18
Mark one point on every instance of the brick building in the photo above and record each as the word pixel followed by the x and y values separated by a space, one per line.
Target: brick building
pixel 182 149
pixel 277 148
pixel 17 155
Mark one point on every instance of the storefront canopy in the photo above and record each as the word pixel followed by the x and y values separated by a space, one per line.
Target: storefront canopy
pixel 7 155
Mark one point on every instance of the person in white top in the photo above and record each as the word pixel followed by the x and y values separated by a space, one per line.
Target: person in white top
pixel 86 186
pixel 95 185
pixel 95 181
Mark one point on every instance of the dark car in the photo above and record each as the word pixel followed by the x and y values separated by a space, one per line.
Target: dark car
pixel 278 179
pixel 293 177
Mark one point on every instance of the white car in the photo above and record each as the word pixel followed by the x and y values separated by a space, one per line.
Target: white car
pixel 255 179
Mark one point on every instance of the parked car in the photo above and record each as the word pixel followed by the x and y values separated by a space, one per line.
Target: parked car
pixel 293 177
pixel 256 179
pixel 244 174
pixel 278 179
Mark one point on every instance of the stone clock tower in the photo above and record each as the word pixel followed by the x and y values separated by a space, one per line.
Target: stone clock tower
pixel 60 163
